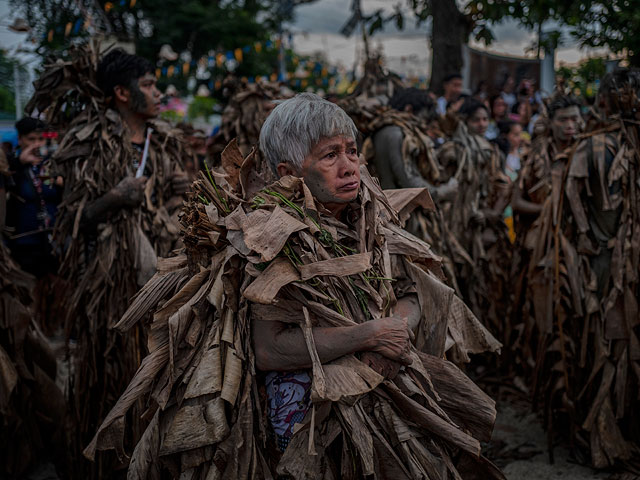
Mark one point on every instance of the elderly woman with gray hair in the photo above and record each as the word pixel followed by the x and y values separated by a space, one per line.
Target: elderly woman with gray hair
pixel 306 300
pixel 314 139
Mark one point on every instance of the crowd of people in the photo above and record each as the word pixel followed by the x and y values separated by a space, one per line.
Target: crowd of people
pixel 293 297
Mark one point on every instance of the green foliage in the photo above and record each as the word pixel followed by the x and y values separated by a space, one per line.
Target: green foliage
pixel 7 98
pixel 614 24
pixel 198 26
pixel 583 79
pixel 201 107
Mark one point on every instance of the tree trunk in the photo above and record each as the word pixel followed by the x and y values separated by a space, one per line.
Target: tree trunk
pixel 448 34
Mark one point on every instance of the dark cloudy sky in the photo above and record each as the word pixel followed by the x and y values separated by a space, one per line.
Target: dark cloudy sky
pixel 318 25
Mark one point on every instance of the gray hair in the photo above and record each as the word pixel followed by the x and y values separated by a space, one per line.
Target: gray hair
pixel 296 125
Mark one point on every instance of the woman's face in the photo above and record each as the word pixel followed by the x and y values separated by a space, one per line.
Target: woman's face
pixel 515 136
pixel 478 122
pixel 499 108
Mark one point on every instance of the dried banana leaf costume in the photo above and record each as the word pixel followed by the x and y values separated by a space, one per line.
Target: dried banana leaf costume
pixel 483 274
pixel 269 252
pixel 106 266
pixel 31 405
pixel 584 289
pixel 242 120
pixel 419 160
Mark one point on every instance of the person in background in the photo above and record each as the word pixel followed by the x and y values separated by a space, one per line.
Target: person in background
pixel 498 114
pixel 508 91
pixel 452 91
pixel 34 197
pixel 510 142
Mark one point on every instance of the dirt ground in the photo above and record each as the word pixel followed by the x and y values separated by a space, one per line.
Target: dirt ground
pixel 519 446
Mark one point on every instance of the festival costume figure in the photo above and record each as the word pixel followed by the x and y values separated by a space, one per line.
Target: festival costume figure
pixel 581 311
pixel 475 221
pixel 105 260
pixel 272 253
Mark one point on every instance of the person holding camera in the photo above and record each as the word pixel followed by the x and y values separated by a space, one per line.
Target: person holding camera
pixel 34 197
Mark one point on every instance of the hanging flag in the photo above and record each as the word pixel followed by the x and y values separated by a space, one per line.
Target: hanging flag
pixel 185 68
pixel 229 55
pixel 50 36
pixel 158 72
pixel 257 46
pixel 132 4
pixel 238 54
pixel 67 29
pixel 170 71
pixel 219 59
pixel 108 6
pixel 246 49
pixel 76 26
pixel 273 77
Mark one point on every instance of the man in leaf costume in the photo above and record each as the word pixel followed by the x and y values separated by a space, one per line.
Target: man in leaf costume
pixel 401 154
pixel 123 187
pixel 280 340
pixel 584 285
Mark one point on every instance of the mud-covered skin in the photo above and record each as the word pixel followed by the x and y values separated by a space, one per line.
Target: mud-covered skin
pixel 331 171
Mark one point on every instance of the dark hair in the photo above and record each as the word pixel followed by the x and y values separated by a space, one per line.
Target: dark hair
pixel 418 99
pixel 561 102
pixel 452 76
pixel 471 106
pixel 504 127
pixel 119 68
pixel 26 125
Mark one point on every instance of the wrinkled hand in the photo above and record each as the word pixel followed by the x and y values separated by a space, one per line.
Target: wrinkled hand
pixel 382 365
pixel 180 183
pixel 29 155
pixel 390 338
pixel 130 191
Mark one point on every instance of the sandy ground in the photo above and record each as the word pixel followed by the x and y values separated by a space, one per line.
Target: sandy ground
pixel 519 446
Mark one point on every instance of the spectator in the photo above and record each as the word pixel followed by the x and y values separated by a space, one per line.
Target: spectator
pixel 34 199
pixel 452 91
pixel 477 116
pixel 508 91
pixel 509 141
pixel 498 114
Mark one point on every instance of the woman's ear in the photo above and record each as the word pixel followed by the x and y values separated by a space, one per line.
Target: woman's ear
pixel 285 169
pixel 121 94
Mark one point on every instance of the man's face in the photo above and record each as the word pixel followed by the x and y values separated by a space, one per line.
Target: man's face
pixel 33 138
pixel 145 96
pixel 565 123
pixel 478 122
pixel 453 89
pixel 332 170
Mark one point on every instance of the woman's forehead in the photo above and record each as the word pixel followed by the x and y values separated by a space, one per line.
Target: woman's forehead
pixel 325 142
